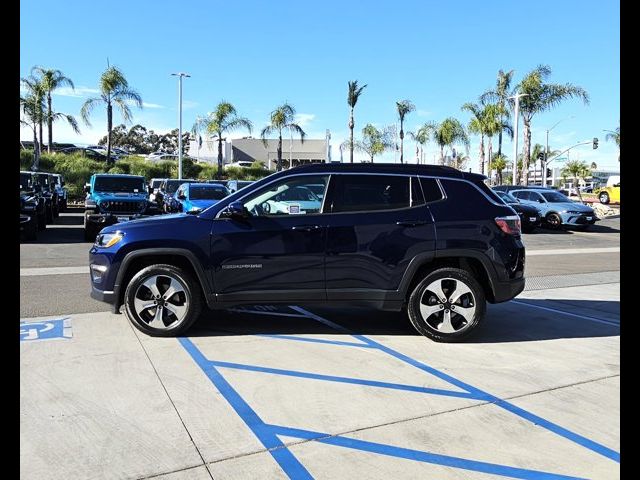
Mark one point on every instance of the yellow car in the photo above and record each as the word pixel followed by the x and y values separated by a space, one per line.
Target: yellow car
pixel 609 194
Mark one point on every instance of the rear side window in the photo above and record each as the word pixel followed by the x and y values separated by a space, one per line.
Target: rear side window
pixel 355 193
pixel 464 194
pixel 431 189
pixel 522 195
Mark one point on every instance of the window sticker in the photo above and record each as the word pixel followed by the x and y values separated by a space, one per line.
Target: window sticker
pixel 294 208
pixel 135 190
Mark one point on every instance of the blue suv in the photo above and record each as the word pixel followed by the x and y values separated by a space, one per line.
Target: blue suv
pixel 432 241
pixel 194 197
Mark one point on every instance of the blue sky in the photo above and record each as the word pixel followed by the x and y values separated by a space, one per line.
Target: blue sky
pixel 258 54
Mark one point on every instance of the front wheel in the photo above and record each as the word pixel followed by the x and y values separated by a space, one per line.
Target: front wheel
pixel 447 305
pixel 162 300
pixel 604 198
pixel 49 214
pixel 554 221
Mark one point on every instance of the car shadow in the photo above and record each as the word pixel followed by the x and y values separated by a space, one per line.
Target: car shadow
pixel 504 323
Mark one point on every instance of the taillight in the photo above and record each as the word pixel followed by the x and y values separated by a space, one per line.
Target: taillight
pixel 509 225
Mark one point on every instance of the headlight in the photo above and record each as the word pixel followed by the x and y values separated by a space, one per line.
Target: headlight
pixel 105 204
pixel 107 240
pixel 194 209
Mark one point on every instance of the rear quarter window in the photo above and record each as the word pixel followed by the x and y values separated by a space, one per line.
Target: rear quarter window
pixel 463 202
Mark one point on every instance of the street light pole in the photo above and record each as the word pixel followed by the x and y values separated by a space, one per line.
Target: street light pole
pixel 546 152
pixel 515 142
pixel 180 75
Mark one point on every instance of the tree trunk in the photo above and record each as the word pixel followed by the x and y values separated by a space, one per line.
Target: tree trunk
pixel 527 152
pixel 36 150
pixel 481 154
pixel 279 164
pixel 49 123
pixel 40 131
pixel 489 158
pixel 109 127
pixel 500 136
pixel 441 154
pixel 351 125
pixel 372 158
pixel 401 142
pixel 219 155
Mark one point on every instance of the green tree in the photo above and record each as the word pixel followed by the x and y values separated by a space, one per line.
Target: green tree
pixel 500 96
pixel 577 170
pixel 114 90
pixel 32 111
pixel 614 136
pixel 496 123
pixel 403 107
pixel 499 163
pixel 448 133
pixel 460 161
pixel 478 125
pixel 224 119
pixel 352 99
pixel 282 118
pixel 540 97
pixel 420 136
pixel 52 80
pixel 374 142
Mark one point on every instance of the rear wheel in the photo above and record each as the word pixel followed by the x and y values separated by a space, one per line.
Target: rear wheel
pixel 49 214
pixel 42 221
pixel 162 300
pixel 447 305
pixel 604 198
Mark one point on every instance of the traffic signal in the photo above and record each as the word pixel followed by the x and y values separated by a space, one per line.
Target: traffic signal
pixel 541 156
pixel 595 143
pixel 548 172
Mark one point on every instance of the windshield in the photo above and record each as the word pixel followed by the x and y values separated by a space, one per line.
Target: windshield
pixel 554 197
pixel 172 185
pixel 156 183
pixel 507 197
pixel 119 184
pixel 25 181
pixel 207 193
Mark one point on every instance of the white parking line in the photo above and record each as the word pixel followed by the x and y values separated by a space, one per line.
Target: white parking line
pixel 569 314
pixel 572 251
pixel 32 272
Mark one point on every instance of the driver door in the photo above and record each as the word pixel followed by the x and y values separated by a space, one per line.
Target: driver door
pixel 277 252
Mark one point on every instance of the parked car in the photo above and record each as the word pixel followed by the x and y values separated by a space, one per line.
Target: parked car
pixel 31 191
pixel 91 153
pixel 62 192
pixel 235 185
pixel 154 186
pixel 432 240
pixel 241 164
pixel 556 209
pixel 28 216
pixel 113 198
pixel 121 152
pixel 611 192
pixel 195 197
pixel 530 217
pixel 165 196
pixel 47 189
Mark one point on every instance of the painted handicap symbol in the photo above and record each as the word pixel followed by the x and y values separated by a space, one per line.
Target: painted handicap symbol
pixel 45 330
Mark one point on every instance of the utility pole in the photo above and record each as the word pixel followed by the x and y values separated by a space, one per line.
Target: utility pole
pixel 180 75
pixel 515 140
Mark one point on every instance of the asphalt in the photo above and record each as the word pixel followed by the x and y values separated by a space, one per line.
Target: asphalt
pixel 300 392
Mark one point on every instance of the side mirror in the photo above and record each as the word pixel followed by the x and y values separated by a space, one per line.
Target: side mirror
pixel 87 189
pixel 150 190
pixel 181 197
pixel 236 210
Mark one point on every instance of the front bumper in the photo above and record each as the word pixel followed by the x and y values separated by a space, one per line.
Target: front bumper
pixel 579 219
pixel 104 296
pixel 106 219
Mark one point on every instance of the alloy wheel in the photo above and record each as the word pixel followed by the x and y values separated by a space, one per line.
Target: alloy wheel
pixel 161 302
pixel 448 305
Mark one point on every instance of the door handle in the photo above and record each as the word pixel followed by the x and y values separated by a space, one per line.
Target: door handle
pixel 411 223
pixel 305 228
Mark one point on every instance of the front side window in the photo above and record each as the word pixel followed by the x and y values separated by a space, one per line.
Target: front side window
pixel 290 196
pixel 554 197
pixel 356 193
pixel 207 193
pixel 522 195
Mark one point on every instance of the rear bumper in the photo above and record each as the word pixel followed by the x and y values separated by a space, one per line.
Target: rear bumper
pixel 505 291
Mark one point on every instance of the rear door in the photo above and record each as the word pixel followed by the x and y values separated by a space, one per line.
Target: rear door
pixel 377 224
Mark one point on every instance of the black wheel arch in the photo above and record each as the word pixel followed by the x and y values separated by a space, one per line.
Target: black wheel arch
pixel 180 257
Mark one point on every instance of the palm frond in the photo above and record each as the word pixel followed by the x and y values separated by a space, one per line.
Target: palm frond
pixel 123 106
pixel 87 108
pixel 354 93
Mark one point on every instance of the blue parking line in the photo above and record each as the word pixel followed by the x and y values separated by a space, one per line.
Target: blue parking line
pixel 477 393
pixel 418 455
pixel 314 340
pixel 287 461
pixel 353 381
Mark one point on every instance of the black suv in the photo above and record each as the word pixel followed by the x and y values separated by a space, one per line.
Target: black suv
pixel 31 195
pixel 47 184
pixel 432 240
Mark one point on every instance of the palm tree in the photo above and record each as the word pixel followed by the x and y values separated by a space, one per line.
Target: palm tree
pixel 499 163
pixel 352 99
pixel 32 107
pixel 374 141
pixel 449 133
pixel 500 96
pixel 615 136
pixel 460 161
pixel 403 107
pixel 222 120
pixel 282 118
pixel 52 80
pixel 421 136
pixel 540 97
pixel 114 90
pixel 576 169
pixel 478 126
pixel 496 123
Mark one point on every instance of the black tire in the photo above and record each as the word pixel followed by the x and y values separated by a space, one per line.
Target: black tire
pixel 461 326
pixel 189 297
pixel 42 222
pixel 604 198
pixel 56 210
pixel 31 232
pixel 554 221
pixel 90 229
